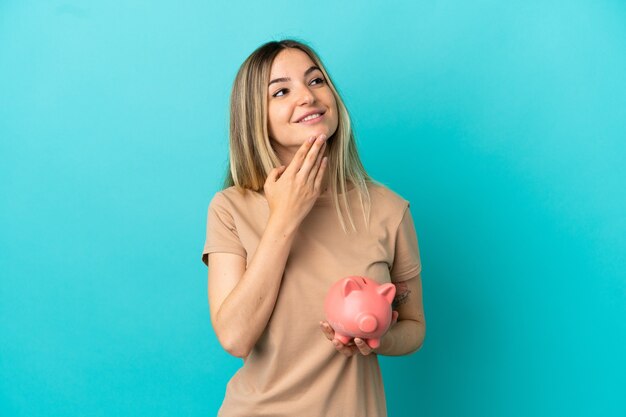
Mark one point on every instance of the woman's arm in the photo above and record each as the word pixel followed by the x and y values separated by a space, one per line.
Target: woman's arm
pixel 407 335
pixel 242 316
pixel 240 311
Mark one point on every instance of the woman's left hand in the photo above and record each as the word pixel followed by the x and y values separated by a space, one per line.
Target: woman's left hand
pixel 358 346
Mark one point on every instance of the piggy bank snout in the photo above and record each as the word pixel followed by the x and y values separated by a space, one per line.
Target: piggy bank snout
pixel 367 322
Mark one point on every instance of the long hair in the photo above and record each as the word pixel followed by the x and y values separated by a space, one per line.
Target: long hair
pixel 251 156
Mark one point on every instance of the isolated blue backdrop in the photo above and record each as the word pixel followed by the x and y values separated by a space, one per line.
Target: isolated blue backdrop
pixel 503 123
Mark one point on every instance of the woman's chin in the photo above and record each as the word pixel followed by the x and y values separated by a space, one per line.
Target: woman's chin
pixel 316 133
pixel 326 131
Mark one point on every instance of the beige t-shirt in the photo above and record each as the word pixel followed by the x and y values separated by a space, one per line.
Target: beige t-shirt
pixel 294 370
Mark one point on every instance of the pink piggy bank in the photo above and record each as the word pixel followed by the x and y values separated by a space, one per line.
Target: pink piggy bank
pixel 360 307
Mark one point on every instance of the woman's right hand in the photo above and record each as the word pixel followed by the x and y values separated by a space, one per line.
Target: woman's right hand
pixel 292 191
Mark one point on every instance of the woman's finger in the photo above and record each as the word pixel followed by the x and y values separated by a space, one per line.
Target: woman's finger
pixel 327 330
pixel 394 318
pixel 273 174
pixel 320 174
pixel 308 161
pixel 348 351
pixel 316 166
pixel 298 158
pixel 362 346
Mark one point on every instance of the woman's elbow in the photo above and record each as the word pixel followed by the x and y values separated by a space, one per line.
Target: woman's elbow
pixel 237 350
pixel 234 346
pixel 421 335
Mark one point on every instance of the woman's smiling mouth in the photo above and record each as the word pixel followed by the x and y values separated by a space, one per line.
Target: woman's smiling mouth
pixel 311 119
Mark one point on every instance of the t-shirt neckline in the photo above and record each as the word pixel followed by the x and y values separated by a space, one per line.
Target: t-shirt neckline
pixel 324 198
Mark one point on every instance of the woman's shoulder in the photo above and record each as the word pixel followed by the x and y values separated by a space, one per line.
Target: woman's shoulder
pixel 385 193
pixel 234 197
pixel 388 204
pixel 234 192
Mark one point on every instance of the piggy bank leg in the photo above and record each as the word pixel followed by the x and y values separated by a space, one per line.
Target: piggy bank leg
pixel 342 338
pixel 373 343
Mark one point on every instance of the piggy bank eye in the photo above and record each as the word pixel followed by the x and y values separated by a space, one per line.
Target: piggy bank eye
pixel 364 282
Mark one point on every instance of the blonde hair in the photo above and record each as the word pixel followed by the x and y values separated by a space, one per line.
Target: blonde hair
pixel 251 156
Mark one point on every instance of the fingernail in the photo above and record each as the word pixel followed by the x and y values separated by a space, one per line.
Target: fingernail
pixel 323 137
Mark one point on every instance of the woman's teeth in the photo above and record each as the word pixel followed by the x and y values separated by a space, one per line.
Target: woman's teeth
pixel 313 116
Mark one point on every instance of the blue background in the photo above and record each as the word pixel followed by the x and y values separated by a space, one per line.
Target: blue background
pixel 503 123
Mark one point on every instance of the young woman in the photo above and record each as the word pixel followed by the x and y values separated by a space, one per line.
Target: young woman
pixel 277 240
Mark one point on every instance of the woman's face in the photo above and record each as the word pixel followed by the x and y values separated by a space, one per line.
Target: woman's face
pixel 298 88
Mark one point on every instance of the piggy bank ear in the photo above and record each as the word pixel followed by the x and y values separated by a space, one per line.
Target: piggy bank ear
pixel 388 291
pixel 350 285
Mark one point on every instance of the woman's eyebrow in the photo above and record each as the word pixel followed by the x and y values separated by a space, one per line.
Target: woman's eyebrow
pixel 280 80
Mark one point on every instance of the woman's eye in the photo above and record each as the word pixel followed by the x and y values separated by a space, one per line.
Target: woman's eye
pixel 276 93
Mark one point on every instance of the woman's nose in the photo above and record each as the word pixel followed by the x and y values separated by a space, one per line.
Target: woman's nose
pixel 306 96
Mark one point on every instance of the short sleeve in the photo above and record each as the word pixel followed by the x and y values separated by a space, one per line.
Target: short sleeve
pixel 221 233
pixel 406 261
